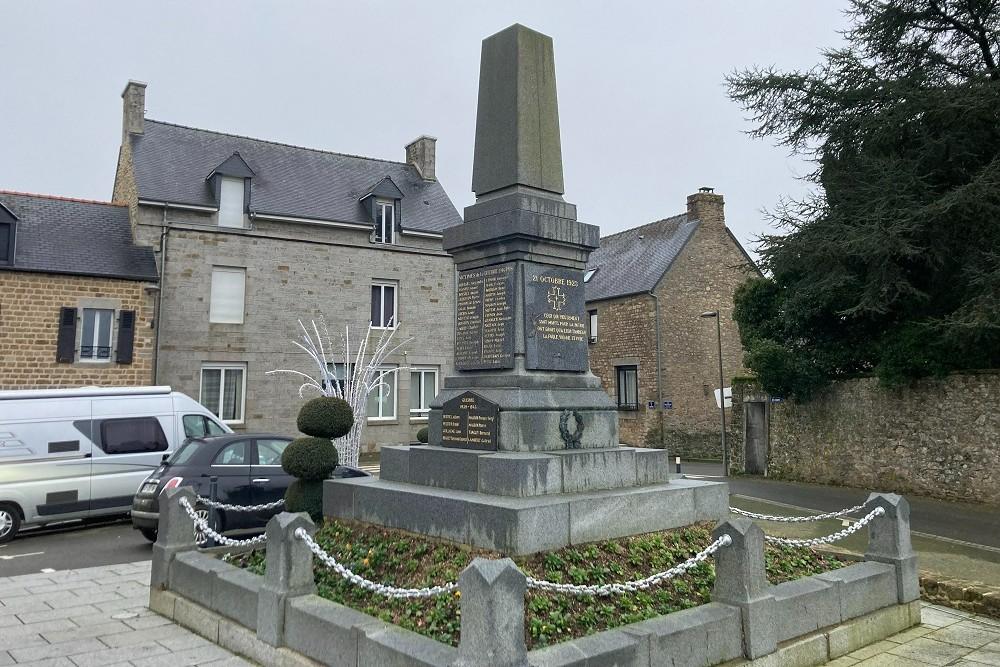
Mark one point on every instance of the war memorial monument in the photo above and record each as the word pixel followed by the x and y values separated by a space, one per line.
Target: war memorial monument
pixel 523 452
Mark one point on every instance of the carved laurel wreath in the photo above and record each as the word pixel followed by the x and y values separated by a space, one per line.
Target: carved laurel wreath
pixel 572 440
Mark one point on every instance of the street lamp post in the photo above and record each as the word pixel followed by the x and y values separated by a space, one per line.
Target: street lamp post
pixel 722 390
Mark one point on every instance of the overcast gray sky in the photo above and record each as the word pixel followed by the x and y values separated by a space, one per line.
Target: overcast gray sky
pixel 643 109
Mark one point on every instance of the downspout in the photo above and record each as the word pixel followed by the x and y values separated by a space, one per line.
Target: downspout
pixel 659 369
pixel 165 230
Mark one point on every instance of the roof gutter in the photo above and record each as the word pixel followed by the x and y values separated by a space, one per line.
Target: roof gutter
pixel 186 207
pixel 310 221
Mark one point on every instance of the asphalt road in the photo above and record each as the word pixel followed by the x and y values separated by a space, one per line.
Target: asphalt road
pixel 73 545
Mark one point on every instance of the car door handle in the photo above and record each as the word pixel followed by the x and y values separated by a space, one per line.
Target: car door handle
pixel 260 480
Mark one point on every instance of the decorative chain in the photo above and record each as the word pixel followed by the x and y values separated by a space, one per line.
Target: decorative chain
pixel 367 584
pixel 798 519
pixel 203 526
pixel 241 508
pixel 632 586
pixel 839 535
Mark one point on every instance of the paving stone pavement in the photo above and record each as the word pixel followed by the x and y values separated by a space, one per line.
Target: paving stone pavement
pixel 95 617
pixel 945 637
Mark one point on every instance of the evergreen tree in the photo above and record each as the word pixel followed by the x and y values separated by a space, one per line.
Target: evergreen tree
pixel 892 265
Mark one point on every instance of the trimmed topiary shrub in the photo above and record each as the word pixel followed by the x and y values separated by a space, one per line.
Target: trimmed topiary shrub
pixel 304 495
pixel 326 417
pixel 422 435
pixel 309 458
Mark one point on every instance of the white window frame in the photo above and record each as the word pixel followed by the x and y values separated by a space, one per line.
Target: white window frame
pixel 227 217
pixel 394 394
pixel 421 414
pixel 381 206
pixel 216 318
pixel 395 304
pixel 592 324
pixel 222 388
pixel 97 336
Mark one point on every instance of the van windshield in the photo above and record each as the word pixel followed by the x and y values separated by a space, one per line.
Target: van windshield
pixel 184 453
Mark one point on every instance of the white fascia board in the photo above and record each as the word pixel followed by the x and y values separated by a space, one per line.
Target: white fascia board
pixel 188 207
pixel 310 221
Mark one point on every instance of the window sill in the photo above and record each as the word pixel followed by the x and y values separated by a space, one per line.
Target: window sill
pixel 419 418
pixel 382 421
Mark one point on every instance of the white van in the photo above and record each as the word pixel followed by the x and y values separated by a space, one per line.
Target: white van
pixel 78 453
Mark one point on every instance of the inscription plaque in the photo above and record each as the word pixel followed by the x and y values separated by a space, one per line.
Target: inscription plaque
pixel 484 320
pixel 469 421
pixel 555 324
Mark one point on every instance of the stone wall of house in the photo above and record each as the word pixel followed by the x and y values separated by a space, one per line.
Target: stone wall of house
pixel 937 438
pixel 626 336
pixel 703 278
pixel 29 326
pixel 295 272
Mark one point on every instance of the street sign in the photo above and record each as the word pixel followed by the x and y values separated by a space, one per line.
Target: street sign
pixel 777 399
pixel 668 405
pixel 651 405
pixel 729 397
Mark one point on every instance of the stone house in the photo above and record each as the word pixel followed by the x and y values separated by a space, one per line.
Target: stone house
pixel 252 236
pixel 76 304
pixel 656 356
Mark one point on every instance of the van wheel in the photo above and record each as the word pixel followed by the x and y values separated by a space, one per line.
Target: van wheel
pixel 10 523
pixel 148 533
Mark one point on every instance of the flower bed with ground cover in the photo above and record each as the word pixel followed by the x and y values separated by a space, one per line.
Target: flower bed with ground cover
pixel 406 560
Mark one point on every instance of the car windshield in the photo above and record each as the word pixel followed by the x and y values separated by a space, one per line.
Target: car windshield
pixel 184 453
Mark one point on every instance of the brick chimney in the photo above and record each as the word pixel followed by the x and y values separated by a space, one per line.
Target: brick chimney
pixel 133 108
pixel 420 153
pixel 707 207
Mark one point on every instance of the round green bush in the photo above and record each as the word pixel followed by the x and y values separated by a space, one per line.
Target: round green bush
pixel 309 458
pixel 305 495
pixel 422 435
pixel 326 417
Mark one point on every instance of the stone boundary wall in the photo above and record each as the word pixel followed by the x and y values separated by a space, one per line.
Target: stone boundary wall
pixel 277 619
pixel 934 438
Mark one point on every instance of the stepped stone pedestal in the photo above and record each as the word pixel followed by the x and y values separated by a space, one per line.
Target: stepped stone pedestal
pixel 524 453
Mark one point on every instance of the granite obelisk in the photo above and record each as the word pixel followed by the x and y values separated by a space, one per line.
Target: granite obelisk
pixel 523 453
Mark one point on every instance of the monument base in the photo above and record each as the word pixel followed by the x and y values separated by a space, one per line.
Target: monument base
pixel 527 523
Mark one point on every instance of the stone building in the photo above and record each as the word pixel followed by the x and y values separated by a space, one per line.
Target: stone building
pixel 658 359
pixel 76 305
pixel 252 236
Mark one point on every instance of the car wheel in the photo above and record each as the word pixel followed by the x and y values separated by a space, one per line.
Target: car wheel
pixel 10 523
pixel 201 538
pixel 148 533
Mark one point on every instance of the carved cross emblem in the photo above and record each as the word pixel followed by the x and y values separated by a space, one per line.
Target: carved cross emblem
pixel 556 298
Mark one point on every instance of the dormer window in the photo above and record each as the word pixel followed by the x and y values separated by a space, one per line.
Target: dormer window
pixel 231 195
pixel 385 221
pixel 8 230
pixel 588 275
pixel 230 183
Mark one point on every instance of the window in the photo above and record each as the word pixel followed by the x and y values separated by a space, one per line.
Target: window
pixel 231 193
pixel 588 274
pixel 6 242
pixel 385 222
pixel 223 391
pixel 135 435
pixel 628 387
pixel 95 340
pixel 382 397
pixel 226 303
pixel 339 376
pixel 423 387
pixel 233 454
pixel 269 451
pixel 593 325
pixel 199 426
pixel 383 305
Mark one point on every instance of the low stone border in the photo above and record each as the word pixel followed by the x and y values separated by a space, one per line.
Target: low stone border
pixel 974 596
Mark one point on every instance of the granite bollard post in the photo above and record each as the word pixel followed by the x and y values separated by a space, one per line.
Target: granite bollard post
pixel 889 542
pixel 174 534
pixel 288 573
pixel 741 581
pixel 492 615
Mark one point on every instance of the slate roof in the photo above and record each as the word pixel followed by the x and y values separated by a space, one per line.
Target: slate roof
pixel 172 161
pixel 76 237
pixel 627 264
